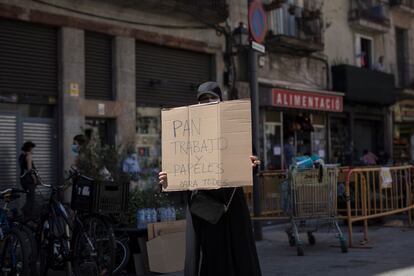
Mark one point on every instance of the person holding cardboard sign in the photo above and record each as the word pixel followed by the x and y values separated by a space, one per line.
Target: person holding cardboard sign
pixel 218 222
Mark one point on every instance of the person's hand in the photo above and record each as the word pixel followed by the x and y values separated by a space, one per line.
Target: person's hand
pixel 162 176
pixel 255 161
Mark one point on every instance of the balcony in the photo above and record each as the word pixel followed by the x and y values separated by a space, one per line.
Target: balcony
pixel 207 11
pixel 403 5
pixel 294 29
pixel 363 85
pixel 372 17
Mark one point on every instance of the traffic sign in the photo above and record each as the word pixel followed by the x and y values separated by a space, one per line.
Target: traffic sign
pixel 257 21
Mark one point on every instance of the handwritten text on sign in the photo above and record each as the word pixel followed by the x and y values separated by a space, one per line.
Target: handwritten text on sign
pixel 201 145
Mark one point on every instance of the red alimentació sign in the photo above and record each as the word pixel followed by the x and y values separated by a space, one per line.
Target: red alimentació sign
pixel 306 100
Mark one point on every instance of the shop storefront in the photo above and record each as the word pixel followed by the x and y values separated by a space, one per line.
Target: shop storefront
pixel 403 139
pixel 28 98
pixel 301 116
pixel 165 77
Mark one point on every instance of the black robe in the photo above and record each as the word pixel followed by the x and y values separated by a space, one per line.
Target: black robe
pixel 228 247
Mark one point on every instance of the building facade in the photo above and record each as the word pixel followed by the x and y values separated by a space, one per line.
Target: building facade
pixel 370 61
pixel 109 66
pixel 295 99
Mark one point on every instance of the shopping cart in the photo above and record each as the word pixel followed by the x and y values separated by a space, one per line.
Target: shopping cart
pixel 310 201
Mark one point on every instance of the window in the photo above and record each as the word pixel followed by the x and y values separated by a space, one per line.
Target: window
pixel 364 51
pixel 98 67
pixel 401 40
pixel 105 129
pixel 148 144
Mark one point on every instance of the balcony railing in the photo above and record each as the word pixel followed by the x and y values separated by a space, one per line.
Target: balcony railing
pixel 373 16
pixel 364 85
pixel 295 28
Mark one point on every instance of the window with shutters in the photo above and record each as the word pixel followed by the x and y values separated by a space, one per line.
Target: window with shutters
pixel 28 59
pixel 169 77
pixel 98 66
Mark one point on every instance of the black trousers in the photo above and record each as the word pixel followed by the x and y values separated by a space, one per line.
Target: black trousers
pixel 28 208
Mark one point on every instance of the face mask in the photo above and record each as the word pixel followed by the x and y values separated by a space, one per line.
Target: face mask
pixel 75 149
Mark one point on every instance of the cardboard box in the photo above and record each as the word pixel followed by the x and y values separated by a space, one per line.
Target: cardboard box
pixel 207 146
pixel 166 246
pixel 163 228
pixel 166 253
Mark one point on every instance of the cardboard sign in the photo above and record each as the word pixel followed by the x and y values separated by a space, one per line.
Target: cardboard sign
pixel 386 179
pixel 207 146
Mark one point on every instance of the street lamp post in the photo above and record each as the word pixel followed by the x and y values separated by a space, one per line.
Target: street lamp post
pixel 241 39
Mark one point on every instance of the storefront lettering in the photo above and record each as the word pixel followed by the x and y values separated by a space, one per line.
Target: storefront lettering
pixel 307 100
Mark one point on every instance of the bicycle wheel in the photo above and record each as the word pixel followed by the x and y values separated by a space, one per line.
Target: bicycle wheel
pixel 30 237
pixel 15 259
pixel 101 235
pixel 84 260
pixel 121 256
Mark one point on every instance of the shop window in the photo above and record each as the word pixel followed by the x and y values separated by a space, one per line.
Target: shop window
pixel 148 144
pixel 103 128
pixel 318 119
pixel 340 151
pixel 273 146
pixel 272 116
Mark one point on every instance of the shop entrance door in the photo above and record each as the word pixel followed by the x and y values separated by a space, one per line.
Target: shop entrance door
pixel 273 146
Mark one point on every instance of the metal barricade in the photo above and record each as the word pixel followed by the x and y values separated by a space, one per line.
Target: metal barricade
pixel 370 194
pixel 270 186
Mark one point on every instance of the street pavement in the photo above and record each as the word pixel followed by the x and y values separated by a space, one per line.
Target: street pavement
pixel 389 251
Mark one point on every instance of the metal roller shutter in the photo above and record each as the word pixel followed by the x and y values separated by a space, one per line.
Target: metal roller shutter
pixel 42 133
pixel 169 77
pixel 8 151
pixel 28 55
pixel 98 66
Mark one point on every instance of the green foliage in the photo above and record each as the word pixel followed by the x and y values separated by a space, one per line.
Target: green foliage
pixel 143 199
pixel 94 157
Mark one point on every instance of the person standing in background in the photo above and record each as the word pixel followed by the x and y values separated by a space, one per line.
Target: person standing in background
pixel 28 179
pixel 289 152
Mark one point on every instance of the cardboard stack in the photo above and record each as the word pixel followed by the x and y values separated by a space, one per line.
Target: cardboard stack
pixel 166 246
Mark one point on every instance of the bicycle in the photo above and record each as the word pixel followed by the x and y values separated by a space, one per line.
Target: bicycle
pixel 66 239
pixel 122 253
pixel 17 245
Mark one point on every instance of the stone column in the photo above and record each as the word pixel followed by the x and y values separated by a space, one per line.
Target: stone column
pixel 72 67
pixel 125 89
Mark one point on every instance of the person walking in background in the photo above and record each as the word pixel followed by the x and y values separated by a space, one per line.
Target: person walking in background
pixel 368 158
pixel 28 179
pixel 78 142
pixel 227 248
pixel 289 152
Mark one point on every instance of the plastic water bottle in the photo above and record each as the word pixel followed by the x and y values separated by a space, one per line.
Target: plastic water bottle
pixel 173 214
pixel 154 215
pixel 162 214
pixel 141 219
